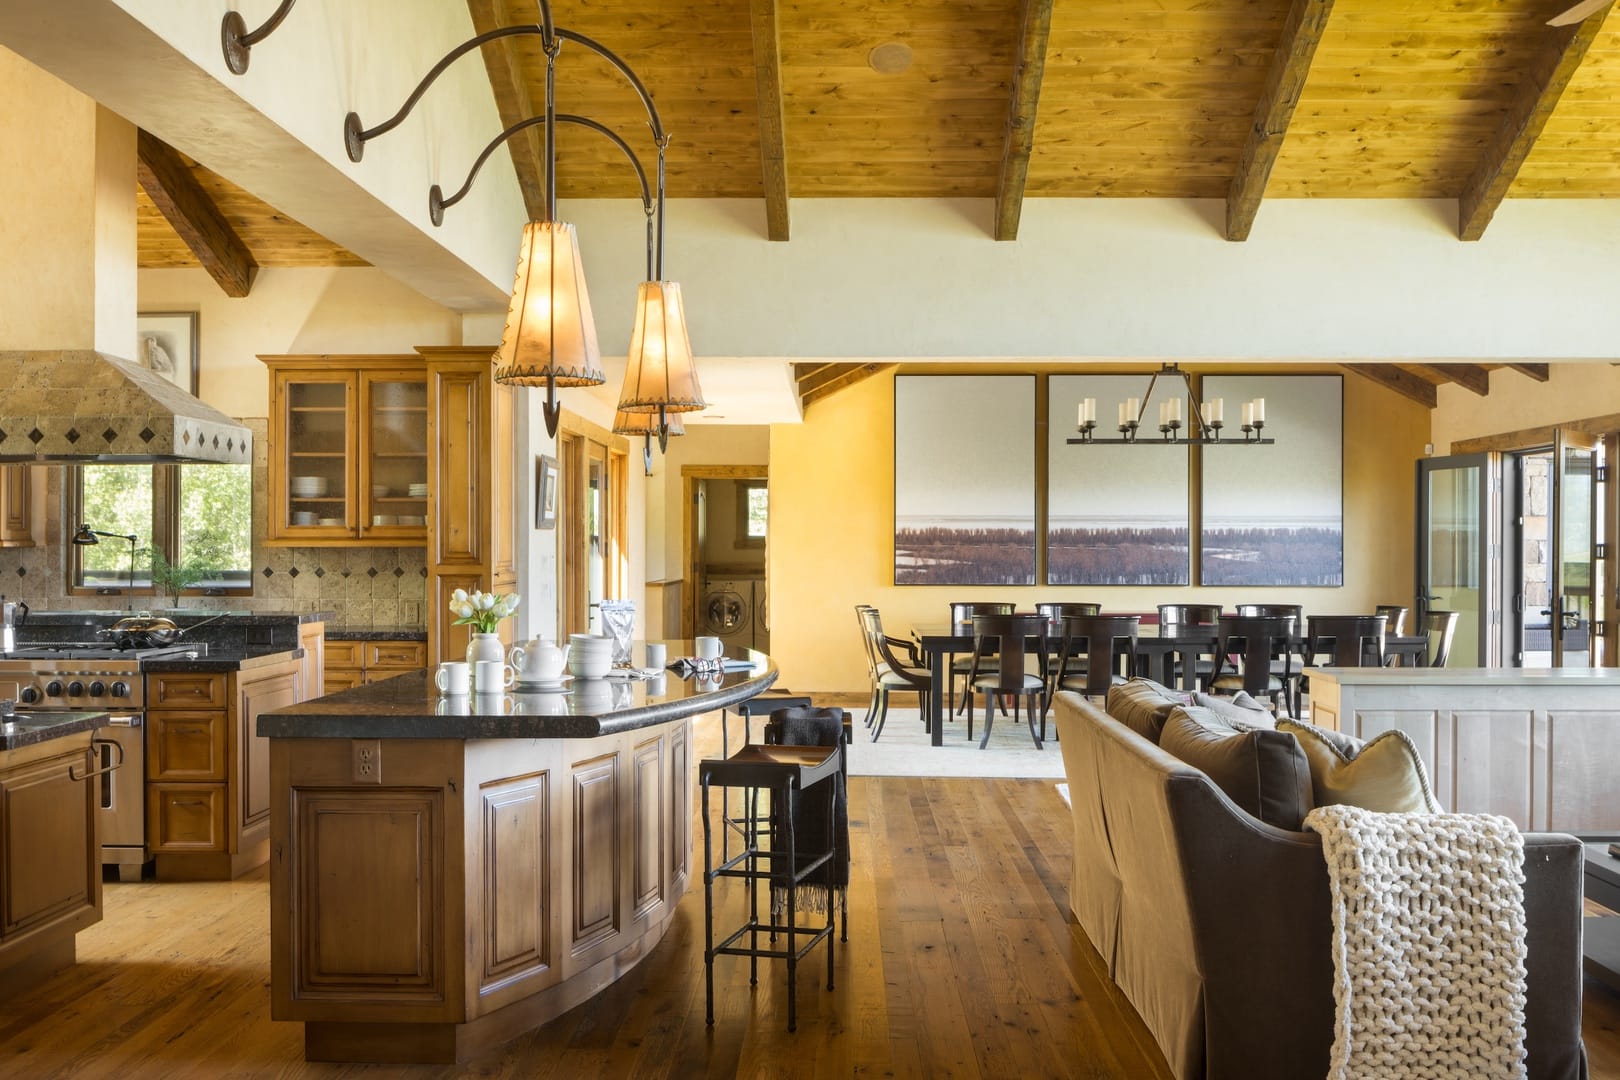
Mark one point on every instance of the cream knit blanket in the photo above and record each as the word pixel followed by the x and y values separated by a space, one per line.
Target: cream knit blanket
pixel 1428 944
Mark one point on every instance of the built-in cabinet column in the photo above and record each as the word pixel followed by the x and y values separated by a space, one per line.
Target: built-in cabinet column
pixel 472 531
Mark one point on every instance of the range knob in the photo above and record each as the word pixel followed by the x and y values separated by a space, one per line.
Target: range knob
pixel 120 689
pixel 75 688
pixel 98 688
pixel 53 688
pixel 29 695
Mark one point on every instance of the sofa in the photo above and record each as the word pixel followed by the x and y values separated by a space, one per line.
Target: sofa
pixel 1216 926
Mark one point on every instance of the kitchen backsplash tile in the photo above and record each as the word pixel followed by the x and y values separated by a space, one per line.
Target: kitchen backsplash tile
pixel 379 586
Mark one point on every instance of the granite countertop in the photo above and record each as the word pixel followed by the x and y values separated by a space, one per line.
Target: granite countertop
pixel 26 729
pixel 377 633
pixel 182 616
pixel 223 660
pixel 410 707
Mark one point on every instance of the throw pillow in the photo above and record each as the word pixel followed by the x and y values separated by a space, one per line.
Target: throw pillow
pixel 1383 774
pixel 1264 772
pixel 1240 710
pixel 1143 705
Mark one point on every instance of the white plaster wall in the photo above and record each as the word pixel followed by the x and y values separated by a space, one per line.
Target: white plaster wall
pixel 293 310
pixel 1516 402
pixel 1124 278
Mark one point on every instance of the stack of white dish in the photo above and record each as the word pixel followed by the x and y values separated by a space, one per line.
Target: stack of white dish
pixel 308 487
pixel 303 517
pixel 385 519
pixel 590 656
pixel 413 519
pixel 330 521
pixel 418 491
pixel 379 491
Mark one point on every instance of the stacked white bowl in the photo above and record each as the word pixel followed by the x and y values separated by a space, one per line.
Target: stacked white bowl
pixel 418 491
pixel 590 656
pixel 308 487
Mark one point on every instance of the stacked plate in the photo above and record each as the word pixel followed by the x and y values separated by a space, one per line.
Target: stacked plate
pixel 590 656
pixel 303 517
pixel 418 491
pixel 385 519
pixel 379 491
pixel 330 521
pixel 308 487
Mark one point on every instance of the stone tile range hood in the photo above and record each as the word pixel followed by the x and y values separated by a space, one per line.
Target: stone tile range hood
pixel 78 406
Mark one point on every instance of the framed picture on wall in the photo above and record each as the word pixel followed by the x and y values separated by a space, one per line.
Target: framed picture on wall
pixel 166 342
pixel 545 492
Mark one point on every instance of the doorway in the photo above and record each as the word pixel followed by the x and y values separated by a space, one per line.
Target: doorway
pixel 592 517
pixel 1553 530
pixel 726 537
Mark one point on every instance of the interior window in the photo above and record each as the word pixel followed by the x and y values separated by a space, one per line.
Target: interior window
pixel 755 505
pixel 194 519
pixel 115 499
pixel 215 526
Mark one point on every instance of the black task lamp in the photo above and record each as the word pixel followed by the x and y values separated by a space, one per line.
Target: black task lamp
pixel 87 536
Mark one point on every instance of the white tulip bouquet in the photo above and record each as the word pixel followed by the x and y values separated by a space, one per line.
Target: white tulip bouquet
pixel 482 610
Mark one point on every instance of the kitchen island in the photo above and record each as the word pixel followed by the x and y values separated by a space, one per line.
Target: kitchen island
pixel 447 873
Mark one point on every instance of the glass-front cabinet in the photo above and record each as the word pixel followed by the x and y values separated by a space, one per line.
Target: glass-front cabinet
pixel 347 451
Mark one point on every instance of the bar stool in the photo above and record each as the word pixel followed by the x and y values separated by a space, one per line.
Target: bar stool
pixel 767 702
pixel 783 771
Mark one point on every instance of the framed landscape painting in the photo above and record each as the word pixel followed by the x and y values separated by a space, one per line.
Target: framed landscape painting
pixel 1115 515
pixel 964 480
pixel 1274 515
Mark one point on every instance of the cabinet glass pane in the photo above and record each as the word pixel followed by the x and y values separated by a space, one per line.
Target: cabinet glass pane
pixel 317 446
pixel 397 436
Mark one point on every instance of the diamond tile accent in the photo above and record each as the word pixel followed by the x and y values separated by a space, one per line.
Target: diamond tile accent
pixel 147 434
pixel 72 435
pixel 36 435
pixel 267 571
pixel 292 571
pixel 185 436
pixel 2 434
pixel 398 572
pixel 345 572
pixel 371 573
pixel 320 571
pixel 109 435
pixel 423 571
pixel 22 571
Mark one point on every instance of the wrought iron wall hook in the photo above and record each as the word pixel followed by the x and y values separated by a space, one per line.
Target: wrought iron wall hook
pixel 237 42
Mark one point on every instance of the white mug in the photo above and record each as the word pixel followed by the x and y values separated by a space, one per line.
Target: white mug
pixel 491 676
pixel 451 678
pixel 656 656
pixel 709 647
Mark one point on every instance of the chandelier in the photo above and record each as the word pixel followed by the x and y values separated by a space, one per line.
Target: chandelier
pixel 1210 418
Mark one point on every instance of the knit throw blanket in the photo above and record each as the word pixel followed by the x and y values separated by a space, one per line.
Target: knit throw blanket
pixel 1428 943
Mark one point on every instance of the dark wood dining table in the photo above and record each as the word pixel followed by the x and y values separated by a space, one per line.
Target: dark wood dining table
pixel 1156 658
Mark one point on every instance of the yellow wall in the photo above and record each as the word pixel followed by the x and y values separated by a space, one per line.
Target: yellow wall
pixel 832 523
pixel 1516 402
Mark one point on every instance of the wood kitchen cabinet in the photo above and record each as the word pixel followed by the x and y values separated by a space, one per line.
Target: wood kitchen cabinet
pixel 18 519
pixel 352 662
pixel 207 772
pixel 348 449
pixel 50 860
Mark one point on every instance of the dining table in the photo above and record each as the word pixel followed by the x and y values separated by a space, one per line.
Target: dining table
pixel 1161 657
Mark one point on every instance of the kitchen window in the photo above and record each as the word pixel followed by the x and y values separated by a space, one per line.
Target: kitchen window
pixel 194 520
pixel 753 513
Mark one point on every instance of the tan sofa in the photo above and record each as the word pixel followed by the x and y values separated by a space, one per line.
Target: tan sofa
pixel 1216 925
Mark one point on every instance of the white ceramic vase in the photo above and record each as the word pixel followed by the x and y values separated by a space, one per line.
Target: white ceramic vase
pixel 485 647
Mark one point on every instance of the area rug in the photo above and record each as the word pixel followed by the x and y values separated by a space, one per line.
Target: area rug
pixel 904 750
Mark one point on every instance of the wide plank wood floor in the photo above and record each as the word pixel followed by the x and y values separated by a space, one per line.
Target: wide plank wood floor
pixel 962 962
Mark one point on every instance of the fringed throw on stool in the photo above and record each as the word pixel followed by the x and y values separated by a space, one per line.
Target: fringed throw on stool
pixel 811 727
pixel 1428 944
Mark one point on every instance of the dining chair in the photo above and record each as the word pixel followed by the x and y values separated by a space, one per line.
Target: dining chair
pixel 1000 645
pixel 1395 617
pixel 1054 612
pixel 1092 649
pixel 1295 612
pixel 1249 644
pixel 1346 640
pixel 890 673
pixel 1440 627
pixel 962 613
pixel 1174 619
pixel 1184 614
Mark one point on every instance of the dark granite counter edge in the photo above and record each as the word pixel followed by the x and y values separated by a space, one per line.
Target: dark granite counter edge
pixel 381 633
pixel 184 617
pixel 68 724
pixel 292 723
pixel 221 662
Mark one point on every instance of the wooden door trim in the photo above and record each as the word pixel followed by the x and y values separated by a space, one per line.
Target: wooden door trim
pixel 690 475
pixel 1531 438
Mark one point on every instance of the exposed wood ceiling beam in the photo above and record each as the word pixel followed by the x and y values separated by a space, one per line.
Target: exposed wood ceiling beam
pixel 856 373
pixel 1468 376
pixel 1538 372
pixel 1402 382
pixel 174 190
pixel 823 375
pixel 1521 127
pixel 1290 65
pixel 802 372
pixel 772 127
pixel 1019 140
pixel 512 99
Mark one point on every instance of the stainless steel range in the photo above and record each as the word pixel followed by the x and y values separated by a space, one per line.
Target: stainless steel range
pixel 91 676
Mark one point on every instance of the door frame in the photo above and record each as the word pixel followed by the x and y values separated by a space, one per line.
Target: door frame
pixel 691 568
pixel 1489 571
pixel 1567 439
pixel 575 438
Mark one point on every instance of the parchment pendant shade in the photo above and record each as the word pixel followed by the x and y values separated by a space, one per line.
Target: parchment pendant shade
pixel 645 423
pixel 550 336
pixel 659 374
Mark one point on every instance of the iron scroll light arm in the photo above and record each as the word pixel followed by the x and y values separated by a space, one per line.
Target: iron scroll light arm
pixel 237 42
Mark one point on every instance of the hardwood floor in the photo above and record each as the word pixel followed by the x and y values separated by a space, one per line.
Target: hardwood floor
pixel 962 962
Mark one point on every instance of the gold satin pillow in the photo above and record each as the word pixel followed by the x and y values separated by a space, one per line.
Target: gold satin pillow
pixel 1383 774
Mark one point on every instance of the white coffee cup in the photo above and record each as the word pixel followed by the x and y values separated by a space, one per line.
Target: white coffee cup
pixel 656 656
pixel 491 676
pixel 709 647
pixel 452 677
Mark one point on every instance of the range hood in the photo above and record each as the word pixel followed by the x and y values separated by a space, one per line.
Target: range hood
pixel 79 406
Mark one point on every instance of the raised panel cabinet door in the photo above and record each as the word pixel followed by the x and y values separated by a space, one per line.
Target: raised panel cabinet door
pixel 597 855
pixel 514 884
pixel 342 679
pixel 393 482
pixel 186 691
pixel 312 671
pixel 250 769
pixel 186 745
pixel 502 494
pixel 447 641
pixel 314 447
pixel 398 655
pixel 680 806
pixel 49 867
pixel 459 438
pixel 344 653
pixel 647 832
pixel 185 818
pixel 16 507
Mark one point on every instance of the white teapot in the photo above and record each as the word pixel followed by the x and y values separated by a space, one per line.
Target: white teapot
pixel 538 661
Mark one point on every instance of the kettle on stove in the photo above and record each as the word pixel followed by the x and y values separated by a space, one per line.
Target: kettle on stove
pixel 12 615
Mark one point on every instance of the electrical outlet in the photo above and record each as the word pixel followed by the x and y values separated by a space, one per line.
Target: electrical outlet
pixel 367 760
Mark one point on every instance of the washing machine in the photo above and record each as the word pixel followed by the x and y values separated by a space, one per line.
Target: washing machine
pixel 728 610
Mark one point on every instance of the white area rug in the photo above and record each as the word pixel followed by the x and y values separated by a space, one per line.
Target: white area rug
pixel 904 749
